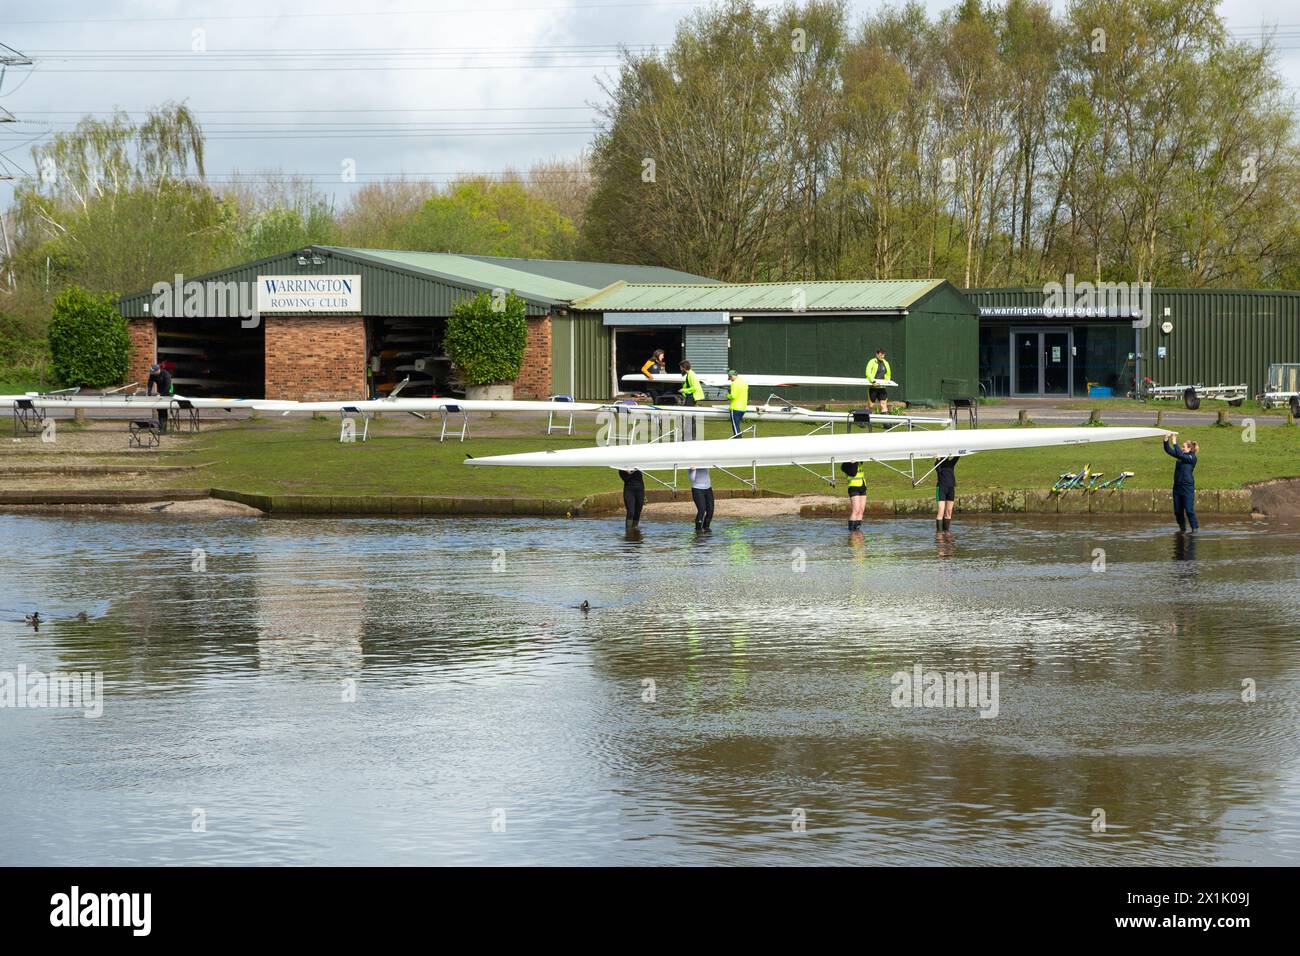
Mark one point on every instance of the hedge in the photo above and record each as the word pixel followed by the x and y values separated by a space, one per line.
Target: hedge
pixel 89 343
pixel 486 337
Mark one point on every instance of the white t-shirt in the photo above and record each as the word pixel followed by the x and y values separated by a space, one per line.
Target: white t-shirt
pixel 700 478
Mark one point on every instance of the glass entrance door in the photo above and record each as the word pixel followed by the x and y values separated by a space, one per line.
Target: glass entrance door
pixel 1042 361
pixel 1026 353
pixel 1056 363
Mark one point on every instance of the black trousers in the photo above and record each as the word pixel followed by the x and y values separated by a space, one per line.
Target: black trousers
pixel 688 421
pixel 703 498
pixel 633 501
pixel 1185 507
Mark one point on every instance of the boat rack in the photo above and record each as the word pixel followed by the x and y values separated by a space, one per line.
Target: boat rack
pixel 345 415
pixel 550 418
pixel 1191 395
pixel 179 405
pixel 446 411
pixel 27 416
pixel 1274 399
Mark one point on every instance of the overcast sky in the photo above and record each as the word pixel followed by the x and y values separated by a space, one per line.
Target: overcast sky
pixel 422 87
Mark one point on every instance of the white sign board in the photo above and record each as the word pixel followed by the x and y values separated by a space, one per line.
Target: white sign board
pixel 308 294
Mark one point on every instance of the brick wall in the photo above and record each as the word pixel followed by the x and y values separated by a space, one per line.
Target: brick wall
pixel 144 349
pixel 535 377
pixel 315 359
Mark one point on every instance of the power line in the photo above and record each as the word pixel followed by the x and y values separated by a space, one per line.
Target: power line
pixel 336 68
pixel 357 109
pixel 201 18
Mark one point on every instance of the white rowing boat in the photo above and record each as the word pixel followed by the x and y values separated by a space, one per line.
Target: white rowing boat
pixel 813 449
pixel 711 380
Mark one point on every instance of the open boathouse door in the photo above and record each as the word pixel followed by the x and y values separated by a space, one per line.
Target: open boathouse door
pixel 701 337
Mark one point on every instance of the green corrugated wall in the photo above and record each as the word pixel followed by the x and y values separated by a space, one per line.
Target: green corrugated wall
pixel 580 357
pixel 933 350
pixel 941 358
pixel 1223 336
pixel 813 343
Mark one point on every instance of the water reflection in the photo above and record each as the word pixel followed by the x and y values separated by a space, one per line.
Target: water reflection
pixel 1185 546
pixel 711 686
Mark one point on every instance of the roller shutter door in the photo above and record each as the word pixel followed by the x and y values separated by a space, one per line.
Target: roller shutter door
pixel 706 347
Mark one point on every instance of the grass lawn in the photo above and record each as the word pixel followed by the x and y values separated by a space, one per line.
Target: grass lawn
pixel 403 457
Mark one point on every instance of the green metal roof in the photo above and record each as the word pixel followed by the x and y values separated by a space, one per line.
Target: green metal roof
pixel 546 279
pixel 401 282
pixel 882 295
pixel 597 275
pixel 476 272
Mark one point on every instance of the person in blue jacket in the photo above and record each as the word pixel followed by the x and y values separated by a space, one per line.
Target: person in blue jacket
pixel 1184 481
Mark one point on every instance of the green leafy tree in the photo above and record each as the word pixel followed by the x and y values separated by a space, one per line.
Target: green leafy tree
pixel 487 217
pixel 486 336
pixel 379 215
pixel 89 343
pixel 284 228
pixel 132 238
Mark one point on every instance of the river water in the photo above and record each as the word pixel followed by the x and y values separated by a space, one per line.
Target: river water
pixel 430 691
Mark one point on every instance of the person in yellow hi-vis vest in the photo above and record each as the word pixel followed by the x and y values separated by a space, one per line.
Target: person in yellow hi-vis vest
pixel 737 399
pixel 857 475
pixel 878 370
pixel 692 393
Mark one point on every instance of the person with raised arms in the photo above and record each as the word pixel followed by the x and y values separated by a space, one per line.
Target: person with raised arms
pixel 702 495
pixel 633 496
pixel 857 476
pixel 1184 481
pixel 945 491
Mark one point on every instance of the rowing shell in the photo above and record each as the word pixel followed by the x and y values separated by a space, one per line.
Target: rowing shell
pixel 145 402
pixel 813 449
pixel 767 381
pixel 425 405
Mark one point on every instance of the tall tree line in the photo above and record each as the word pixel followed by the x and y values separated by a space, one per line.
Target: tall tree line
pixel 994 144
pixel 115 205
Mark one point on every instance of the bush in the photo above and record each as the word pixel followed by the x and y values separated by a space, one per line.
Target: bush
pixel 487 343
pixel 89 344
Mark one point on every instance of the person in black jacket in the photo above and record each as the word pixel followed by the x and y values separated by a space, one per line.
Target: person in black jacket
pixel 945 491
pixel 1184 480
pixel 633 496
pixel 160 384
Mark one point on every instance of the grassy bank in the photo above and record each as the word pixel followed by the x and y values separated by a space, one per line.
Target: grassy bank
pixel 403 457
